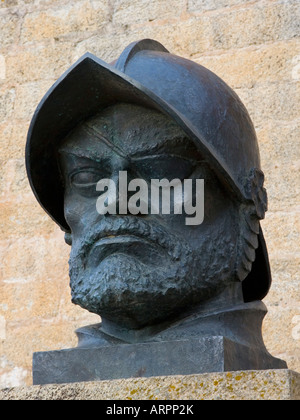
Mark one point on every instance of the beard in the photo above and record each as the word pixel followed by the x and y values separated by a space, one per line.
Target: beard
pixel 155 277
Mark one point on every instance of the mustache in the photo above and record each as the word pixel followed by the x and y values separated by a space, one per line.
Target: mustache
pixel 150 231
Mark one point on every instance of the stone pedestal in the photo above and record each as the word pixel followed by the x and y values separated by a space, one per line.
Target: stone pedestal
pixel 176 357
pixel 279 384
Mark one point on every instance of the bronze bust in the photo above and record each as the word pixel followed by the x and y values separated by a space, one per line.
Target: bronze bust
pixel 188 273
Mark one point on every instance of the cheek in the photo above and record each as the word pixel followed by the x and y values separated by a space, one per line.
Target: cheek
pixel 72 215
pixel 220 225
pixel 79 211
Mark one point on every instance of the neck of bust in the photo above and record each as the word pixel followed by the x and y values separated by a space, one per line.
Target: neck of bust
pixel 224 315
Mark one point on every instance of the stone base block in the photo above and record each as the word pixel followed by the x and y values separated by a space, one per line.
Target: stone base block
pixel 179 357
pixel 279 384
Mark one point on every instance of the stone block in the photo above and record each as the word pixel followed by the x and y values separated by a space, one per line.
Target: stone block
pixel 201 5
pixel 242 385
pixel 286 226
pixel 34 258
pixel 246 67
pixel 2 327
pixel 38 61
pixel 33 331
pixel 28 95
pixel 10 28
pixel 126 13
pixel 15 214
pixel 280 159
pixel 2 68
pixel 8 3
pixel 205 354
pixel 287 319
pixel 254 25
pixel 7 102
pixel 275 101
pixel 285 272
pixel 12 139
pixel 56 21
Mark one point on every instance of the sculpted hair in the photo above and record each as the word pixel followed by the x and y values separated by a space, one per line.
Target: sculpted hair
pixel 250 215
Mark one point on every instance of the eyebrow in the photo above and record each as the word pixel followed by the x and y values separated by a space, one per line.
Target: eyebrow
pixel 92 131
pixel 84 157
pixel 139 154
pixel 155 148
pixel 168 137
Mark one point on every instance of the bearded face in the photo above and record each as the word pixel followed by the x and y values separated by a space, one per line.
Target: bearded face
pixel 139 270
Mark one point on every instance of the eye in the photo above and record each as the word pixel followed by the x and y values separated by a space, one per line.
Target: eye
pixel 169 167
pixel 85 178
pixel 84 181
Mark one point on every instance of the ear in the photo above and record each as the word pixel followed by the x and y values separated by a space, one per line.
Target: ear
pixel 248 242
pixel 256 192
pixel 68 238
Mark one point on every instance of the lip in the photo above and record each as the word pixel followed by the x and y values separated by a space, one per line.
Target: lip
pixel 116 239
pixel 144 250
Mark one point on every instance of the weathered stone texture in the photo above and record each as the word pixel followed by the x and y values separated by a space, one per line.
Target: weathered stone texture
pixel 253 45
pixel 239 385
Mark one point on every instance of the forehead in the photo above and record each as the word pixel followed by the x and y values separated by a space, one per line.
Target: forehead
pixel 127 129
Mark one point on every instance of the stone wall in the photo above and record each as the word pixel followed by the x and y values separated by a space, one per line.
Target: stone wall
pixel 253 45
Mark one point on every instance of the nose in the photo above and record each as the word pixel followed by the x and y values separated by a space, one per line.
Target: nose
pixel 115 201
pixel 126 194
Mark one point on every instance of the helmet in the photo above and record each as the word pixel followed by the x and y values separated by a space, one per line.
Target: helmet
pixel 146 74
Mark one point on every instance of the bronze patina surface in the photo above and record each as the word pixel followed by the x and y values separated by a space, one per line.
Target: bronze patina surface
pixel 163 286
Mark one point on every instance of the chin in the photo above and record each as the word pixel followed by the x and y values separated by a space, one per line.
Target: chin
pixel 133 295
pixel 126 291
pixel 134 292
